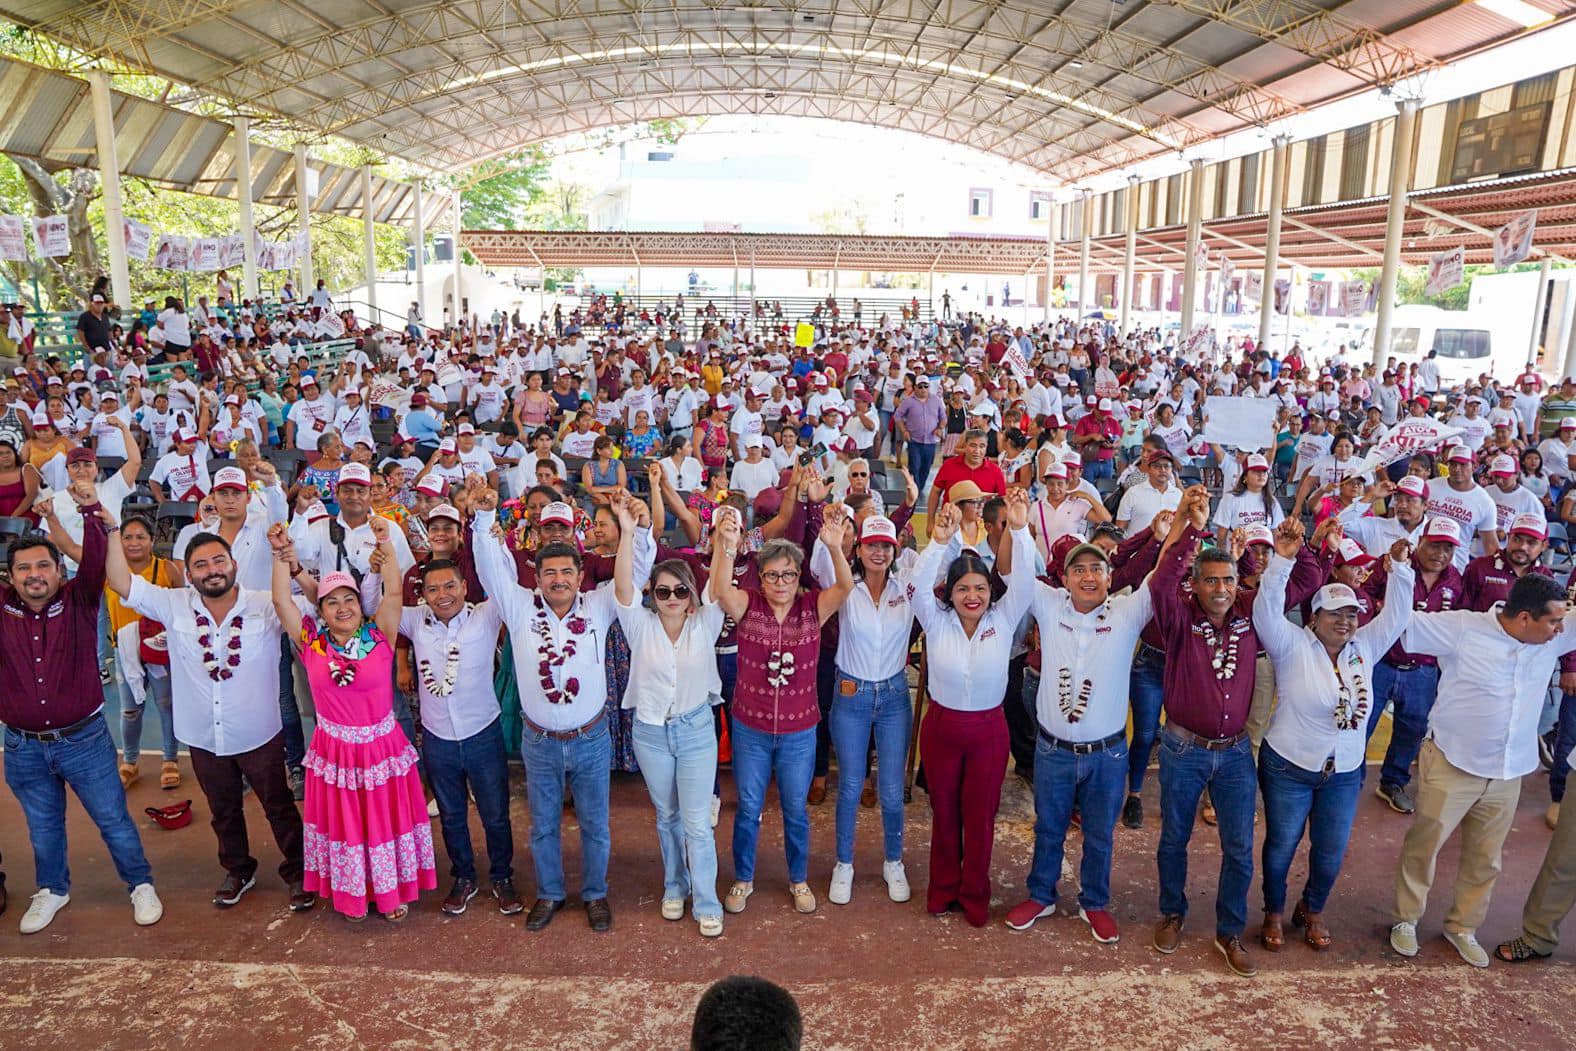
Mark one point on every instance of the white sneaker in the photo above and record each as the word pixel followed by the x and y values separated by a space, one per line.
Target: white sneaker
pixel 1466 944
pixel 716 810
pixel 896 880
pixel 432 809
pixel 1403 939
pixel 710 926
pixel 673 908
pixel 42 910
pixel 842 888
pixel 146 908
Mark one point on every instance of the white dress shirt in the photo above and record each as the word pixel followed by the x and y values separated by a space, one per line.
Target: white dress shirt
pixel 318 553
pixel 233 715
pixel 669 679
pixel 873 632
pixel 1491 688
pixel 1091 655
pixel 471 705
pixel 254 559
pixel 518 608
pixel 1303 727
pixel 1142 502
pixel 970 674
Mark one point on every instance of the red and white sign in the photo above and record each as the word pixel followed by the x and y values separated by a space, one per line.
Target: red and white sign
pixel 1513 241
pixel 1411 435
pixel 1445 271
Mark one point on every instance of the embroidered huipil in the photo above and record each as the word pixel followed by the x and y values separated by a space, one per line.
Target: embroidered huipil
pixel 778 661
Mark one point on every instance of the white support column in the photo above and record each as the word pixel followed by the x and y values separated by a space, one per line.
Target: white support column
pixel 304 217
pixel 1395 222
pixel 1053 219
pixel 1195 232
pixel 109 176
pixel 420 233
pixel 1130 260
pixel 1083 253
pixel 1272 235
pixel 369 241
pixel 243 194
pixel 751 325
pixel 1568 363
pixel 460 313
pixel 1538 302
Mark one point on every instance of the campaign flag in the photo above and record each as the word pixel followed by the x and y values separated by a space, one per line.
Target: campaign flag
pixel 1411 435
pixel 1318 297
pixel 53 236
pixel 232 251
pixel 1253 286
pixel 13 239
pixel 139 240
pixel 1445 271
pixel 1013 359
pixel 205 253
pixel 1513 241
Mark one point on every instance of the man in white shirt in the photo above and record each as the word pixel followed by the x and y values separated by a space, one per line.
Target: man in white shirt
pixel 1144 500
pixel 1087 639
pixel 1459 498
pixel 1495 668
pixel 559 635
pixel 753 473
pixel 1510 497
pixel 453 643
pixel 224 669
pixel 345 542
pixel 243 523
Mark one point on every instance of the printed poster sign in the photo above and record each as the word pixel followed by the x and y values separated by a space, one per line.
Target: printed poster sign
pixel 139 240
pixel 205 253
pixel 13 239
pixel 1513 241
pixel 1445 271
pixel 53 236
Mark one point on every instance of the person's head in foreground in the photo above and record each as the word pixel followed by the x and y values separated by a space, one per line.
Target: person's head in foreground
pixel 744 1013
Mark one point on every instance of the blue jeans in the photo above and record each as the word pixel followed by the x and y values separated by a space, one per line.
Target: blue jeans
pixel 157 680
pixel 38 773
pixel 881 709
pixel 757 756
pixel 1096 469
pixel 478 762
pixel 1564 741
pixel 585 761
pixel 1149 669
pixel 1091 784
pixel 1295 798
pixel 289 712
pixel 1185 771
pixel 921 455
pixel 1412 693
pixel 679 762
pixel 728 672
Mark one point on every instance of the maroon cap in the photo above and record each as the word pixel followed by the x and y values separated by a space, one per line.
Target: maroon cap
pixel 81 454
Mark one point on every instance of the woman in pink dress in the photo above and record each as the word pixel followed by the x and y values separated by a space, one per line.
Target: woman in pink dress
pixel 368 837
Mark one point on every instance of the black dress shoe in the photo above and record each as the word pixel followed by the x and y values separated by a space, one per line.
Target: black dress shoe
pixel 2 892
pixel 508 898
pixel 231 889
pixel 1133 812
pixel 599 914
pixel 541 913
pixel 301 899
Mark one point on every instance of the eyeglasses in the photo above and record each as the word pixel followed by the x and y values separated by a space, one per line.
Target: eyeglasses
pixel 781 576
pixel 859 474
pixel 663 593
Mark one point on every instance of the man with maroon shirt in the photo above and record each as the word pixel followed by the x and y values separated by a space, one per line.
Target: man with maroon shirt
pixel 1409 681
pixel 972 465
pixel 1210 648
pixel 1096 436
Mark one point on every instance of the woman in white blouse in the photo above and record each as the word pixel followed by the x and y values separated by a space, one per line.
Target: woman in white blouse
pixel 673 682
pixel 969 627
pixel 1310 765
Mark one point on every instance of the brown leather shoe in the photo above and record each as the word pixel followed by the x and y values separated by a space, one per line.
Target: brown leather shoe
pixel 542 913
pixel 301 899
pixel 508 898
pixel 1273 934
pixel 817 791
pixel 460 896
pixel 1168 935
pixel 2 893
pixel 1317 934
pixel 1236 956
pixel 599 915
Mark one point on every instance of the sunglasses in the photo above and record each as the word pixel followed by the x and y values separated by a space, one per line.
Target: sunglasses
pixel 663 592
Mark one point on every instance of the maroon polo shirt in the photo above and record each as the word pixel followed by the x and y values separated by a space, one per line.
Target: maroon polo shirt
pixel 49 674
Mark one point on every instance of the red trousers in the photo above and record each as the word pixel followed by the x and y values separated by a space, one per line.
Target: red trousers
pixel 965 757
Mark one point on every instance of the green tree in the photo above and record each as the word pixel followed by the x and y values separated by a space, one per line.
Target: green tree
pixel 498 195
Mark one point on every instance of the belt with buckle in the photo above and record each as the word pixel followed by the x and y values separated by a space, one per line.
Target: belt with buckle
pixel 64 732
pixel 566 735
pixel 1213 744
pixel 1084 747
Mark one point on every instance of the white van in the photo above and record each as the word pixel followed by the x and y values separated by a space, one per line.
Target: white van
pixel 1466 343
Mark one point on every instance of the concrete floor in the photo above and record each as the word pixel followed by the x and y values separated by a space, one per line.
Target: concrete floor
pixel 871 974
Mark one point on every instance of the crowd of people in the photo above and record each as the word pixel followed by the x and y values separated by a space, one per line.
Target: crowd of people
pixel 612 546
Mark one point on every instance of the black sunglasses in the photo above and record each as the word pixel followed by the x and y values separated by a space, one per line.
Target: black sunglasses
pixel 663 592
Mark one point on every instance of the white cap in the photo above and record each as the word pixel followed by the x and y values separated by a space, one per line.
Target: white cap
pixel 1259 534
pixel 467 428
pixel 446 446
pixel 1412 485
pixel 1257 462
pixel 1442 530
pixel 446 511
pixel 559 512
pixel 1529 523
pixel 878 528
pixel 1503 466
pixel 229 478
pixel 1335 596
pixel 1056 469
pixel 355 473
pixel 752 441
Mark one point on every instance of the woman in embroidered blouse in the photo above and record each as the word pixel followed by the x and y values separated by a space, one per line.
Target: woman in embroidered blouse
pixel 368 836
pixel 969 626
pixel 775 708
pixel 673 684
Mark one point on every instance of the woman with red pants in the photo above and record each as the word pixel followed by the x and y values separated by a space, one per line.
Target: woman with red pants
pixel 969 625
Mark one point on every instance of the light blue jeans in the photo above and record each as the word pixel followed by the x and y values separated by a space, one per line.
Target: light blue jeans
pixel 157 680
pixel 679 762
pixel 585 762
pixel 881 708
pixel 757 756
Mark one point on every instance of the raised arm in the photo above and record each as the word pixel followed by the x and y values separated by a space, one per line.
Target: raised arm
pixel 833 527
pixel 726 535
pixel 1382 632
pixel 386 562
pixel 284 602
pixel 1020 577
pixel 623 565
pixel 495 566
pixel 921 588
pixel 1269 605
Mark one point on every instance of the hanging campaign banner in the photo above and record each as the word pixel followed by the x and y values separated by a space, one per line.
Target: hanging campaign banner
pixel 1227 270
pixel 265 255
pixel 205 253
pixel 1412 435
pixel 1282 295
pixel 1013 359
pixel 232 251
pixel 1354 297
pixel 331 325
pixel 139 240
pixel 13 239
pixel 1513 241
pixel 1244 424
pixel 804 334
pixel 1445 271
pixel 1318 297
pixel 1253 286
pixel 53 236
pixel 1201 255
pixel 172 253
pixel 303 245
pixel 1199 344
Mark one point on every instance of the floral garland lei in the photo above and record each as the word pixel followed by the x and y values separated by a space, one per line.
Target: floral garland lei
pixel 451 667
pixel 1223 647
pixel 219 668
pixel 554 657
pixel 1072 709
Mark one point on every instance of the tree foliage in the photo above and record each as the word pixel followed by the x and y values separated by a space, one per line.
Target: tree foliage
pixel 500 201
